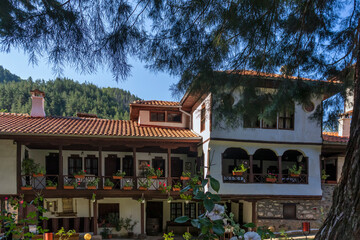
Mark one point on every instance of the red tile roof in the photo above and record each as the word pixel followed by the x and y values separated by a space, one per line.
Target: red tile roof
pixel 156 103
pixel 264 74
pixel 22 124
pixel 334 137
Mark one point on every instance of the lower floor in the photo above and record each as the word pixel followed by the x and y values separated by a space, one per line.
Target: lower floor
pixel 154 216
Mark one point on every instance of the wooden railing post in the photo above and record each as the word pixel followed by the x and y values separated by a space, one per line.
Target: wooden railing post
pixel 251 168
pixel 280 169
pixel 61 168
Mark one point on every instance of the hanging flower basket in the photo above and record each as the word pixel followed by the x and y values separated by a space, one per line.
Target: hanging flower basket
pixel 117 177
pixel 237 173
pixel 69 187
pixel 184 178
pixel 142 188
pixel 51 188
pixel 107 187
pixel 271 180
pixel 127 188
pixel 38 174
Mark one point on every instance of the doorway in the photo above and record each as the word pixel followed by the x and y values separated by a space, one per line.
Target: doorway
pixel 176 167
pixel 154 218
pixel 52 167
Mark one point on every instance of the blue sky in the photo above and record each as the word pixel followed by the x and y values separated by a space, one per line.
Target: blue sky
pixel 142 82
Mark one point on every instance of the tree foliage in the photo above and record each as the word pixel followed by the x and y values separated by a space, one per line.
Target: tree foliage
pixel 65 97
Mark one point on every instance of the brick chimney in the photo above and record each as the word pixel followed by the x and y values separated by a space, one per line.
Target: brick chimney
pixel 38 99
pixel 344 126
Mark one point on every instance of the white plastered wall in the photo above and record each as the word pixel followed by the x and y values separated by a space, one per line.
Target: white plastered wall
pixel 8 167
pixel 313 188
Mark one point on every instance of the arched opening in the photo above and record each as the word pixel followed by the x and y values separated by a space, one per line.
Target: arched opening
pixel 231 158
pixel 265 161
pixel 294 160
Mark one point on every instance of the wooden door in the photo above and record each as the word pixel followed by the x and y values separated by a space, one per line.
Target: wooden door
pixel 176 167
pixel 112 164
pixel 52 164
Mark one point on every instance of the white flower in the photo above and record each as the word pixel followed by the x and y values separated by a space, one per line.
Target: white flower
pixel 252 236
pixel 216 213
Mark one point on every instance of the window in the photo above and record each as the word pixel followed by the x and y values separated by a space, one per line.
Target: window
pixel 174 117
pixel 286 119
pixel 202 118
pixel 175 210
pixel 157 116
pixel 289 211
pixel 106 209
pixel 67 205
pixel 190 210
pixel 91 165
pixel 74 164
pixel 159 162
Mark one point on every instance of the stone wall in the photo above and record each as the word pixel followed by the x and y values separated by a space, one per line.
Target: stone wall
pixel 270 212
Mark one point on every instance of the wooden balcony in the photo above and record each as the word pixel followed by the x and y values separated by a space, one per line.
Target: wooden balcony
pixel 262 178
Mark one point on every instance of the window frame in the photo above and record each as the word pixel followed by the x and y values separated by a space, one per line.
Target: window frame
pixel 178 206
pixel 93 161
pixel 187 210
pixel 75 168
pixel 167 116
pixel 157 112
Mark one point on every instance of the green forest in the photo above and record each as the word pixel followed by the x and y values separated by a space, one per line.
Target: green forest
pixel 63 97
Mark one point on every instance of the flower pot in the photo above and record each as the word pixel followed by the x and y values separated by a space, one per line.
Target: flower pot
pixel 270 180
pixel 331 181
pixel 117 177
pixel 91 187
pixel 109 236
pixel 107 187
pixel 69 187
pixel 79 176
pixel 190 190
pixel 237 173
pixel 176 189
pixel 142 188
pixel 127 188
pixel 322 181
pixel 26 188
pixel 294 175
pixel 50 188
pixel 38 174
pixel 184 178
pixel 152 177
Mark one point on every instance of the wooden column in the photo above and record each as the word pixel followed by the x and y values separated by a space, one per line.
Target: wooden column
pixel 100 172
pixel 251 158
pixel 95 219
pixel 169 180
pixel 142 218
pixel 254 213
pixel 61 168
pixel 280 169
pixel 135 186
pixel 18 166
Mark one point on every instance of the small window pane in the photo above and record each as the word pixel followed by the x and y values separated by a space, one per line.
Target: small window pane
pixel 174 117
pixel 157 116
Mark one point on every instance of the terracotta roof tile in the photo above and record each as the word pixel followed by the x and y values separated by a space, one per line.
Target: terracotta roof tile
pixel 264 74
pixel 156 103
pixel 334 137
pixel 24 124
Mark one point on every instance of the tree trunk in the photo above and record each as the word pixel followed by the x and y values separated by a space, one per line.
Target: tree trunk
pixel 343 220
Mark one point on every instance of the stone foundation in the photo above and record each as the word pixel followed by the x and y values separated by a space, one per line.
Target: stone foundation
pixel 270 212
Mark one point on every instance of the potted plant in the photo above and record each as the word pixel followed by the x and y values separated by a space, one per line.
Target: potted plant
pixel 186 197
pixel 238 171
pixel 28 166
pixel 295 171
pixel 176 187
pixel 185 176
pixel 187 236
pixel 127 186
pixel 105 232
pixel 114 221
pixel 39 171
pixel 26 187
pixel 324 176
pixel 163 188
pixel 129 225
pixel 270 178
pixel 152 173
pixel 50 185
pixel 70 185
pixel 80 174
pixel 119 175
pixel 108 185
pixel 93 183
pixel 143 186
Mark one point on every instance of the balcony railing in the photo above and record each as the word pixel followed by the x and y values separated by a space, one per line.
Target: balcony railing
pixel 38 182
pixel 262 178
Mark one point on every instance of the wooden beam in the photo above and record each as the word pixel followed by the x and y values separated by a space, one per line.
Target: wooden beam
pixel 254 212
pixel 134 162
pixel 61 168
pixel 100 172
pixel 95 209
pixel 142 218
pixel 169 180
pixel 280 169
pixel 18 165
pixel 251 158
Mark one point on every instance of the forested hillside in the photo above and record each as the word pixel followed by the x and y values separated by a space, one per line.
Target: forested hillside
pixel 64 97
